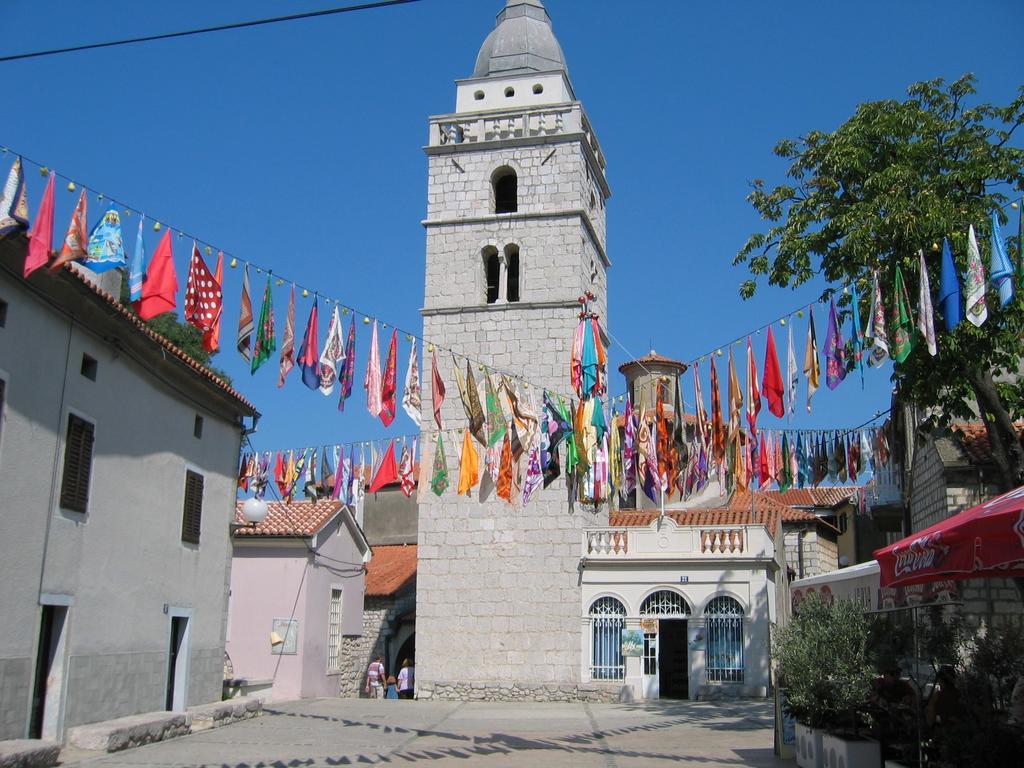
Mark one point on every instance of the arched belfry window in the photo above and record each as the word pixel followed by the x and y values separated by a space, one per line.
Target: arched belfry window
pixel 506 190
pixel 607 618
pixel 492 274
pixel 723 630
pixel 512 272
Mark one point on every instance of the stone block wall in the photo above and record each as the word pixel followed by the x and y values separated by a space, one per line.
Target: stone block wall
pixel 15 691
pixel 928 489
pixel 357 651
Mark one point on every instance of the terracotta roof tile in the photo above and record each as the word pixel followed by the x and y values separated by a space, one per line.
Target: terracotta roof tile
pixel 736 512
pixel 823 496
pixel 973 441
pixel 300 518
pixel 392 568
pixel 653 358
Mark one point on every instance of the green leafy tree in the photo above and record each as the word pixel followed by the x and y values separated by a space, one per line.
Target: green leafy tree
pixel 185 337
pixel 897 177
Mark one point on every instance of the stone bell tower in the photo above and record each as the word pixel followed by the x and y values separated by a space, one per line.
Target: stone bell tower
pixel 515 234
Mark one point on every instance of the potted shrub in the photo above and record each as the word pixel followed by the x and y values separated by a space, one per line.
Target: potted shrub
pixel 823 665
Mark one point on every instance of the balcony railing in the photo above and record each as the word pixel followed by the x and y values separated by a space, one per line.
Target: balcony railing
pixel 886 486
pixel 700 542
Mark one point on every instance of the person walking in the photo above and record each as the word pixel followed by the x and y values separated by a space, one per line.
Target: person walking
pixel 406 680
pixel 375 678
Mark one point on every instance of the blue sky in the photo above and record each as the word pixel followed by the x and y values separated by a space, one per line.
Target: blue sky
pixel 298 146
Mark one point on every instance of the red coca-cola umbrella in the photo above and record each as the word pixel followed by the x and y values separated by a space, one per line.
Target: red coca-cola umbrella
pixel 986 540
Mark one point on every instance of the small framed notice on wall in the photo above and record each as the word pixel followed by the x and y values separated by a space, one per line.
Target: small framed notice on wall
pixel 284 637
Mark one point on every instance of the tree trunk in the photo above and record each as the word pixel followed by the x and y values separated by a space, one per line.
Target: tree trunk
pixel 1003 438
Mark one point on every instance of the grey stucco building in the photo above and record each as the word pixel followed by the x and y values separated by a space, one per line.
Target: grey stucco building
pixel 118 463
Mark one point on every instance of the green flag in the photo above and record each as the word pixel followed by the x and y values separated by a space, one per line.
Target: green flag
pixel 495 415
pixel 266 342
pixel 786 470
pixel 439 477
pixel 902 321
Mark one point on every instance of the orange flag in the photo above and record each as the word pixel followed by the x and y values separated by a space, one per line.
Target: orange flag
pixel 505 471
pixel 469 465
pixel 77 239
pixel 717 428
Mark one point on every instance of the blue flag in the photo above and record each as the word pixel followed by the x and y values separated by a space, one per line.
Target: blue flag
pixel 1000 269
pixel 105 250
pixel 949 290
pixel 137 269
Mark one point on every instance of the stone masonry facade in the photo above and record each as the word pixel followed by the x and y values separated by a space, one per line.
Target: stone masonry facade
pixel 498 595
pixel 357 651
pixel 939 492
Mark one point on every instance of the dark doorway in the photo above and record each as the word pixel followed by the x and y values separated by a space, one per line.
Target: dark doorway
pixel 174 660
pixel 51 624
pixel 674 663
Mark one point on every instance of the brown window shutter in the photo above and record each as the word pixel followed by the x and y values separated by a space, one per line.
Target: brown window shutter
pixel 192 515
pixel 74 490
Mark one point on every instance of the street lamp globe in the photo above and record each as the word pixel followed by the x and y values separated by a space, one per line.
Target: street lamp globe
pixel 254 510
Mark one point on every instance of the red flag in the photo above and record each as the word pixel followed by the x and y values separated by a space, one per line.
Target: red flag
pixel 387 472
pixel 160 284
pixel 280 477
pixel 211 339
pixel 388 387
pixel 41 239
pixel 203 301
pixel 764 471
pixel 436 390
pixel 753 393
pixel 772 383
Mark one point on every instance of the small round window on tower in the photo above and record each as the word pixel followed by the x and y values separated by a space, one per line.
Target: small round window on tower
pixel 510 92
pixel 538 88
pixel 479 95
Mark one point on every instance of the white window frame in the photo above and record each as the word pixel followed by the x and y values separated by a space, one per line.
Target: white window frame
pixel 334 629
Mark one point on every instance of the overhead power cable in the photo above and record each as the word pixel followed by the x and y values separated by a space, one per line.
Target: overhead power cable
pixel 204 30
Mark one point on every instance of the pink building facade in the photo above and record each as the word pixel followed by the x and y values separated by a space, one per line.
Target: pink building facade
pixel 296 604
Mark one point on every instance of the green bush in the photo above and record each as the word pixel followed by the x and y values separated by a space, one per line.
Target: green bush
pixel 823 663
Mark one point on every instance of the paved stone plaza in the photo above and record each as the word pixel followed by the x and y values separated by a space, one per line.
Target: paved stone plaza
pixel 325 732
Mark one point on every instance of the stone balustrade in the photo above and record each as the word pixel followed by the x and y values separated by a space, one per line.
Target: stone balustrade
pixel 667 540
pixel 477 128
pixel 886 486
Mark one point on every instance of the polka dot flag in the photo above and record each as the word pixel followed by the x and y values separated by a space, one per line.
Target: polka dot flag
pixel 203 299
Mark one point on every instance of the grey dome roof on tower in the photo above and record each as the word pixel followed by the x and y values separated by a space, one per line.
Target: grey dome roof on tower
pixel 522 42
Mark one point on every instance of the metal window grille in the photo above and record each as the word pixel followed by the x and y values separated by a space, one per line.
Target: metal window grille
pixel 723 632
pixel 665 603
pixel 607 617
pixel 334 633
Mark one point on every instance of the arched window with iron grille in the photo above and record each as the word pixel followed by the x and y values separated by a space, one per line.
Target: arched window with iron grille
pixel 607 618
pixel 666 603
pixel 723 632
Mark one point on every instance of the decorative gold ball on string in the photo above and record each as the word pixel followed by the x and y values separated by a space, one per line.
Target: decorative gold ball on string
pixel 1014 205
pixel 127 212
pixel 526 385
pixel 782 321
pixel 799 313
pixel 280 281
pixel 233 263
pixel 209 251
pixel 366 320
pixel 408 337
pixel 258 270
pixel 383 326
pixel 718 352
pixel 156 226
pixel 430 348
pixel 44 171
pixel 180 234
pixel 305 293
pixel 99 197
pixel 344 310
pixel 71 186
pixel 935 246
pixel 481 366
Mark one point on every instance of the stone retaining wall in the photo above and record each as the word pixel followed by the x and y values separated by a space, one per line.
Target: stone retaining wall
pixel 515 692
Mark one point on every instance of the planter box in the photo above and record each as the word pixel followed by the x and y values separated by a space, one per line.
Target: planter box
pixel 838 752
pixel 809 747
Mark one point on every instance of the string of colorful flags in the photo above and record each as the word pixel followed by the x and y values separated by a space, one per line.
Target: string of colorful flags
pixel 655 450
